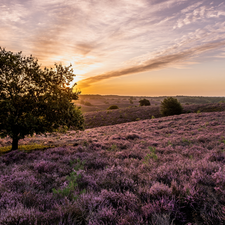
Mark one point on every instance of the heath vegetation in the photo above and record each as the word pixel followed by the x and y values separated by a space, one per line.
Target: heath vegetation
pixel 167 170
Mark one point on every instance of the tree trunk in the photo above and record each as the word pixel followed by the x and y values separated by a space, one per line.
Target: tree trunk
pixel 15 143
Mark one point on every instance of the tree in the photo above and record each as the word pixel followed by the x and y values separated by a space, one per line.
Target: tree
pixel 144 102
pixel 35 100
pixel 113 107
pixel 170 106
pixel 131 100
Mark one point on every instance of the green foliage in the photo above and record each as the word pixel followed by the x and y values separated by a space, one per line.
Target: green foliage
pixel 222 140
pixel 113 107
pixel 62 129
pixel 73 182
pixel 170 106
pixel 25 148
pixel 131 100
pixel 35 100
pixel 85 143
pixel 144 102
pixel 150 155
pixel 113 147
pixel 184 140
pixel 87 104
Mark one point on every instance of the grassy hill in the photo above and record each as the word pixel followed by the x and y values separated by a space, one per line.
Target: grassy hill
pixel 166 170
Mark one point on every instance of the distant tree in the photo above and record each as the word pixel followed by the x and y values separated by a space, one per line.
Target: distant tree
pixel 170 106
pixel 144 102
pixel 35 100
pixel 131 100
pixel 87 104
pixel 113 107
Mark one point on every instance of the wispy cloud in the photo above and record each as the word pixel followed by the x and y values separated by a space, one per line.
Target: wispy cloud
pixel 152 64
pixel 199 12
pixel 131 36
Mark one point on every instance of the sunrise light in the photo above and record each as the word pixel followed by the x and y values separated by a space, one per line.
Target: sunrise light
pixel 169 46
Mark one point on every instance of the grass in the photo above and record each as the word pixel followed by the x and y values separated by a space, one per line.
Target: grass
pixel 26 148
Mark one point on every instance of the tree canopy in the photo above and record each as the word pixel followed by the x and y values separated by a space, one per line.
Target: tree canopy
pixel 144 102
pixel 170 106
pixel 35 100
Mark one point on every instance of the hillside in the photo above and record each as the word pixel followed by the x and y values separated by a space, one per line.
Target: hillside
pixel 124 115
pixel 157 171
pixel 93 103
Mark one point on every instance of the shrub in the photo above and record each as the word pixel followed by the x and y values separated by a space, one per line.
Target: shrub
pixel 113 107
pixel 87 104
pixel 144 102
pixel 170 106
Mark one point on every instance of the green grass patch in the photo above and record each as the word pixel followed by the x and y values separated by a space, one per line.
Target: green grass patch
pixel 150 155
pixel 73 179
pixel 25 148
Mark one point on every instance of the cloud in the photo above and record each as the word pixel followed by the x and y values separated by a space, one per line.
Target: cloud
pixel 152 64
pixel 84 48
pixel 97 35
pixel 199 12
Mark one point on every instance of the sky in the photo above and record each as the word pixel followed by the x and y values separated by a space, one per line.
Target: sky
pixel 124 47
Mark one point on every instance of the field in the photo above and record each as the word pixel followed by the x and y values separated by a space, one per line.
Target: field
pixel 167 170
pixel 93 103
pixel 124 115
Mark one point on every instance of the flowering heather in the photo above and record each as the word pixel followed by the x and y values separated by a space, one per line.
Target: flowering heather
pixel 124 115
pixel 168 170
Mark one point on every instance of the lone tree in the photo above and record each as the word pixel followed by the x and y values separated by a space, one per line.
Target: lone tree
pixel 170 106
pixel 35 100
pixel 113 107
pixel 144 102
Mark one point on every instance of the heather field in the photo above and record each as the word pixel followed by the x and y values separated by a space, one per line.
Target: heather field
pixel 123 115
pixel 168 170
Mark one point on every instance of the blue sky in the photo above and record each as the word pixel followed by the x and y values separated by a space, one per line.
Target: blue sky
pixel 126 47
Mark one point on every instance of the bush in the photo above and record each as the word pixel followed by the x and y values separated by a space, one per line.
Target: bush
pixel 144 102
pixel 113 107
pixel 87 104
pixel 170 106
